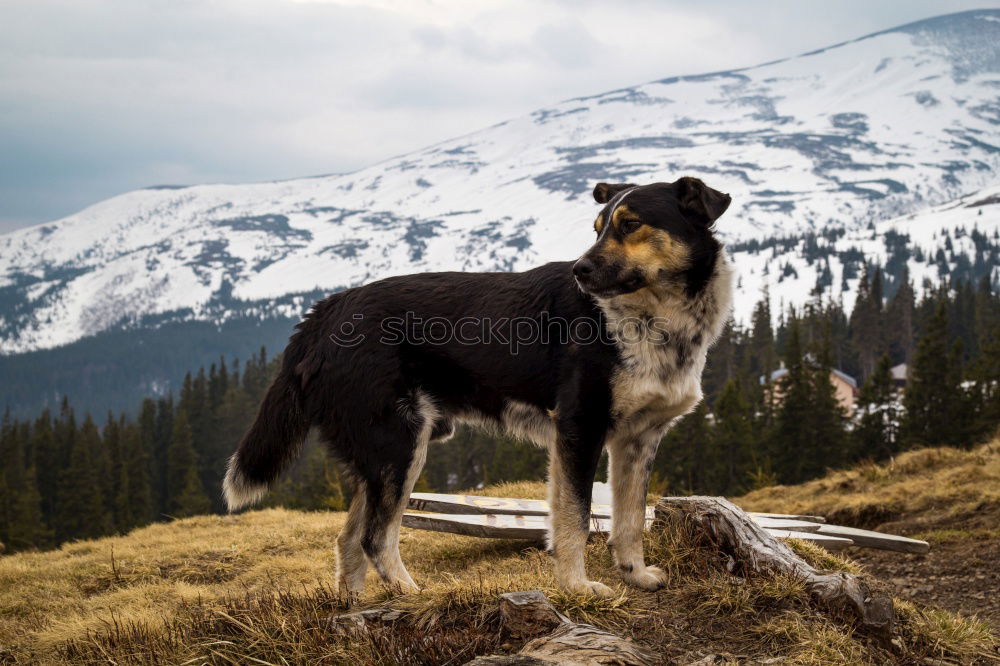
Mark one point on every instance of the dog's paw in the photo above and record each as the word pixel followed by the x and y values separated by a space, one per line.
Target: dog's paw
pixel 403 587
pixel 590 588
pixel 647 578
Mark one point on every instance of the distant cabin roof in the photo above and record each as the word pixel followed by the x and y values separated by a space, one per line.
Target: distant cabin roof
pixel 781 372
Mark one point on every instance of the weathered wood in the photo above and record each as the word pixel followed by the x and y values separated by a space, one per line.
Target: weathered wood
pixel 730 529
pixel 528 614
pixel 489 526
pixel 585 645
pixel 362 620
pixel 509 660
pixel 787 516
pixel 473 504
pixel 465 504
pixel 786 524
pixel 828 542
pixel 870 539
pixel 508 506
pixel 559 641
pixel 533 528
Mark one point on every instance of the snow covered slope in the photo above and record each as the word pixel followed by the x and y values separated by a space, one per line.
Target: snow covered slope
pixel 959 239
pixel 868 130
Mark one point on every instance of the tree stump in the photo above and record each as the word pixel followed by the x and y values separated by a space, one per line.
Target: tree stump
pixel 729 528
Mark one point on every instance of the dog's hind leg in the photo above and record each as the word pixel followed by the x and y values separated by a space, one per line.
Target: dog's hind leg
pixel 351 563
pixel 388 492
pixel 630 460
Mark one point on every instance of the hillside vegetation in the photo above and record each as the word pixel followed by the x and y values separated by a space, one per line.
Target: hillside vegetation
pixel 942 493
pixel 257 587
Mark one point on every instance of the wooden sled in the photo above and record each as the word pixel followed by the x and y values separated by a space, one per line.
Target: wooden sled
pixel 513 518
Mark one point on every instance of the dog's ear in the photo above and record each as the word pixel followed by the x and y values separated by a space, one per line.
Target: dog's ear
pixel 701 200
pixel 605 192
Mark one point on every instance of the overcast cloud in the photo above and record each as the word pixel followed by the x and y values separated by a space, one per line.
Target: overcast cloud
pixel 98 97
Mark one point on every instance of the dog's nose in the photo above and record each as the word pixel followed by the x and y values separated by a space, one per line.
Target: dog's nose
pixel 583 268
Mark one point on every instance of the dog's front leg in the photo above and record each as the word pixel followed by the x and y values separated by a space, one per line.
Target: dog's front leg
pixel 630 460
pixel 572 465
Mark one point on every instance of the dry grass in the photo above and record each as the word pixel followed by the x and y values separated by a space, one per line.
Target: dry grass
pixel 258 588
pixel 926 487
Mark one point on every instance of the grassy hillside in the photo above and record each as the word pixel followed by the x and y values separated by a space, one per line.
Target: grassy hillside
pixel 939 492
pixel 946 496
pixel 255 588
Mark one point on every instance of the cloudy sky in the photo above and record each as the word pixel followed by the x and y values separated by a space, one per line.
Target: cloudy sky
pixel 98 97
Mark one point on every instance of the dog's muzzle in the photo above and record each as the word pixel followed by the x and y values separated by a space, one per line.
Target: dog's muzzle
pixel 604 281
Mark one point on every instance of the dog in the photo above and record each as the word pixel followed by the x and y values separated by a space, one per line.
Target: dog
pixel 384 369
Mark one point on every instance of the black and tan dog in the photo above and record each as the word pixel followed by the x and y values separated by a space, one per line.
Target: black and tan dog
pixel 615 352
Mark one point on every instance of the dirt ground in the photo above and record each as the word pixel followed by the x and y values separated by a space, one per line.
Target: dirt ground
pixel 963 577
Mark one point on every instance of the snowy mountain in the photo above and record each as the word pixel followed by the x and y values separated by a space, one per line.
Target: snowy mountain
pixel 813 150
pixel 959 239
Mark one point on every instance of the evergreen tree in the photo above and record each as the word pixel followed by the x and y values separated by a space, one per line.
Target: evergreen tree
pixel 900 325
pixel 826 417
pixel 148 446
pixel 514 460
pixel 162 437
pixel 312 484
pixel 186 496
pixel 118 505
pixel 27 527
pixel 681 462
pixel 866 322
pixel 933 392
pixel 47 463
pixel 733 447
pixel 876 434
pixel 135 465
pixel 790 441
pixel 81 510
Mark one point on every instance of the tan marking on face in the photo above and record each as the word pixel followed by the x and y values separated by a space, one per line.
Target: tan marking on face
pixel 653 250
pixel 599 223
pixel 622 213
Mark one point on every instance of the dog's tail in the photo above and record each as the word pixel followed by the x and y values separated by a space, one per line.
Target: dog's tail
pixel 269 445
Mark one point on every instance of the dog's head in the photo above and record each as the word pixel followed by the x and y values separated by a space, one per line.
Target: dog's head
pixel 653 236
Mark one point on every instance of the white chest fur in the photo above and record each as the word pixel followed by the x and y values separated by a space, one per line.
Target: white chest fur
pixel 663 341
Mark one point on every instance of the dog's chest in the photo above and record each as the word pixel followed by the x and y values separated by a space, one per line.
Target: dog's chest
pixel 657 381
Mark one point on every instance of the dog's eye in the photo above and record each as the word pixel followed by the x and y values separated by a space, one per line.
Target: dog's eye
pixel 630 225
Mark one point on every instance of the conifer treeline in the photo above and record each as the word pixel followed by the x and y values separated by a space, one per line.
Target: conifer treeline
pixel 63 477
pixel 752 432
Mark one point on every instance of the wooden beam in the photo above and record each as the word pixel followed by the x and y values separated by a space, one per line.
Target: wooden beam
pixel 533 528
pixel 464 504
pixel 870 539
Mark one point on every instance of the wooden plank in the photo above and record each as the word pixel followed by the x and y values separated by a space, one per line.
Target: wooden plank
pixel 826 541
pixel 533 528
pixel 789 516
pixel 466 504
pixel 489 526
pixel 783 524
pixel 869 539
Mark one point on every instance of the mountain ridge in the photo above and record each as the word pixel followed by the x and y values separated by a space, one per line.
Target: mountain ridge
pixel 878 126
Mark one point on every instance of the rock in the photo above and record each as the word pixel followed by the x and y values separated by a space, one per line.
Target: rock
pixel 527 614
